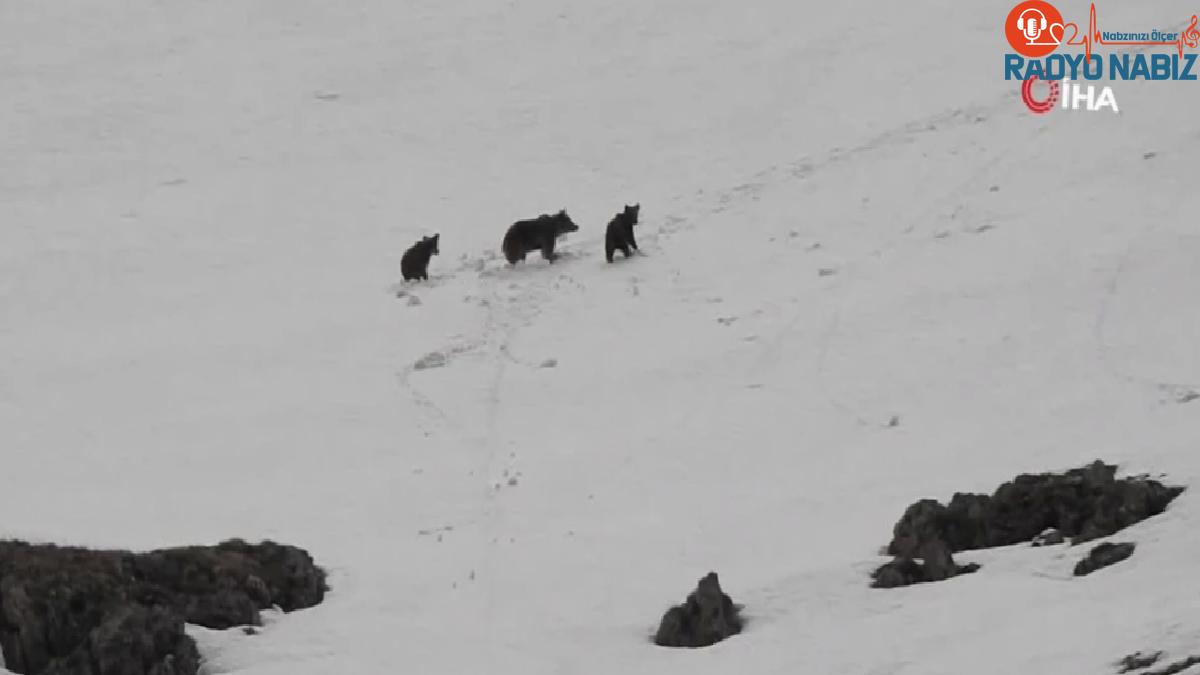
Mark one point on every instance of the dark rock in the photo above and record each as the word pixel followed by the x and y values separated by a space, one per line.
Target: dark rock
pixel 922 521
pixel 71 611
pixel 226 585
pixel 707 617
pixel 899 572
pixel 1083 504
pixel 1103 556
pixel 1049 537
pixel 1138 661
pixel 1176 667
pixel 939 564
pixel 936 565
pixel 136 639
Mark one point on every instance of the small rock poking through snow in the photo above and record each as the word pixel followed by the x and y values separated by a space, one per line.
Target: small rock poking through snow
pixel 706 618
pixel 1138 661
pixel 1176 667
pixel 1104 555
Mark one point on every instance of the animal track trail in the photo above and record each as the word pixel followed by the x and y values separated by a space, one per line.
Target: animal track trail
pixel 1167 261
pixel 512 301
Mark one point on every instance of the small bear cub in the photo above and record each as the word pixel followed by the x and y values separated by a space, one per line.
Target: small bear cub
pixel 415 263
pixel 619 236
pixel 537 234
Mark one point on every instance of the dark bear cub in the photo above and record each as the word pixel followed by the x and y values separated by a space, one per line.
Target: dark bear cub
pixel 619 236
pixel 415 263
pixel 537 234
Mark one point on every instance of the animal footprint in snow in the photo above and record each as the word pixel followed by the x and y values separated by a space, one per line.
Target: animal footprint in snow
pixel 1180 394
pixel 410 299
pixel 430 360
pixel 509 478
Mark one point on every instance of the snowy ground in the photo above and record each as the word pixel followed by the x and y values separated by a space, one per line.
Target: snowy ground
pixel 202 210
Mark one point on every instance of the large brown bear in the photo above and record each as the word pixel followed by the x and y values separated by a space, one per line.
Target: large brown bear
pixel 537 234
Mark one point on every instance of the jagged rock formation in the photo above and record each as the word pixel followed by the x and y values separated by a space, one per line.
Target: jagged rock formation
pixel 1083 504
pixel 73 611
pixel 707 617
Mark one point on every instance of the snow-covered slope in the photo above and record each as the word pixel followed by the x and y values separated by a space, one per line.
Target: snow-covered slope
pixel 845 220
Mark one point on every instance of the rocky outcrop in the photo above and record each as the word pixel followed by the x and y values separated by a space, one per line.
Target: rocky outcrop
pixel 1139 661
pixel 226 585
pixel 936 564
pixel 1176 667
pixel 707 617
pixel 72 611
pixel 1083 504
pixel 1103 556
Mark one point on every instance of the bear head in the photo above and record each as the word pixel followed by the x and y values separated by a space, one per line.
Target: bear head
pixel 631 213
pixel 563 223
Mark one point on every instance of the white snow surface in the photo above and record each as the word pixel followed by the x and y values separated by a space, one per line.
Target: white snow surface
pixel 847 216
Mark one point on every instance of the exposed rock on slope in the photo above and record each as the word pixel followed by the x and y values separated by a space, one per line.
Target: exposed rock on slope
pixel 936 565
pixel 1083 504
pixel 72 611
pixel 707 617
pixel 1103 556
